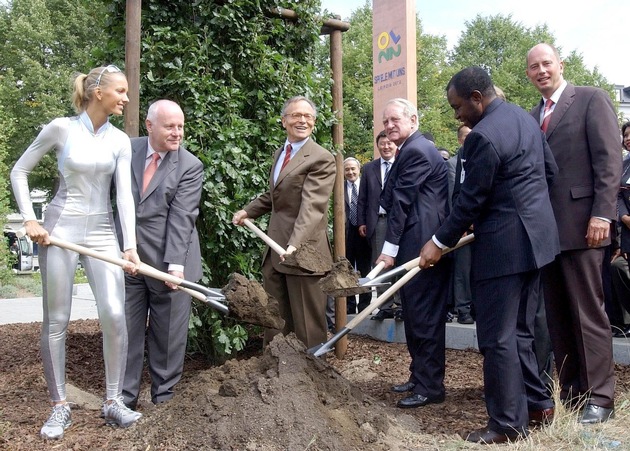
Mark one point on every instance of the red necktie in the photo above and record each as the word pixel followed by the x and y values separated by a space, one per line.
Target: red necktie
pixel 546 115
pixel 287 157
pixel 149 171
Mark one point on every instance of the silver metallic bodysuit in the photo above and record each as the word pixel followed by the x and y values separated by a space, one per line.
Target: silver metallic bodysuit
pixel 81 212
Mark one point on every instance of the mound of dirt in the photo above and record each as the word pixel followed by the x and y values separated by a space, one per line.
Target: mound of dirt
pixel 249 302
pixel 342 280
pixel 285 399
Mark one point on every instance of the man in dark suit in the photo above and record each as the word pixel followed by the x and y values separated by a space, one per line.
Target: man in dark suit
pixel 582 131
pixel 373 217
pixel 504 194
pixel 297 199
pixel 166 184
pixel 414 197
pixel 357 246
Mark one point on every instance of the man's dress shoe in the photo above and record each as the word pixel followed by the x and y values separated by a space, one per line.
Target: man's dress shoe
pixel 417 400
pixel 596 414
pixel 487 436
pixel 382 314
pixel 402 388
pixel 541 417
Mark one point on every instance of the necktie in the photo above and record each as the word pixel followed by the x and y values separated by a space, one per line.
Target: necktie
pixel 388 166
pixel 353 205
pixel 150 170
pixel 546 115
pixel 287 157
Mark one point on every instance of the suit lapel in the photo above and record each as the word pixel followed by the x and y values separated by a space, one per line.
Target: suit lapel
pixel 298 159
pixel 164 169
pixel 564 102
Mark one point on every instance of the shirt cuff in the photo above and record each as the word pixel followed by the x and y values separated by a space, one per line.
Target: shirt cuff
pixel 390 249
pixel 174 267
pixel 603 219
pixel 437 243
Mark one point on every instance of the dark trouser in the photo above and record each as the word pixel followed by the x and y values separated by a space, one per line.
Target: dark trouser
pixel 579 327
pixel 462 293
pixel 620 275
pixel 506 307
pixel 358 253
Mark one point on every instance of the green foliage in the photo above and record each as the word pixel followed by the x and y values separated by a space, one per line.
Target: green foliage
pixel 6 258
pixel 230 65
pixel 43 43
pixel 210 334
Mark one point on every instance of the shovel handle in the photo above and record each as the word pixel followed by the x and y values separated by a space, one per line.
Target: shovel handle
pixel 142 269
pixel 375 271
pixel 266 238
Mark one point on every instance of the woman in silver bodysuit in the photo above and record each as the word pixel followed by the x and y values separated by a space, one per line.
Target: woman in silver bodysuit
pixel 91 155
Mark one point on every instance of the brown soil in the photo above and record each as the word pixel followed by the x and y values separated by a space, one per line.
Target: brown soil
pixel 249 302
pixel 282 399
pixel 308 259
pixel 342 280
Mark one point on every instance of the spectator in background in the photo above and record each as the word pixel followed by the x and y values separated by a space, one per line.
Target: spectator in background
pixel 582 131
pixel 358 250
pixel 460 280
pixel 620 273
pixel 373 217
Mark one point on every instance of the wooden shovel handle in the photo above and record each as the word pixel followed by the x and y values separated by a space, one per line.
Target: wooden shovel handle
pixel 266 238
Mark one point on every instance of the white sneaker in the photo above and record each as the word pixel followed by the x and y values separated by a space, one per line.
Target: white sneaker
pixel 116 413
pixel 59 421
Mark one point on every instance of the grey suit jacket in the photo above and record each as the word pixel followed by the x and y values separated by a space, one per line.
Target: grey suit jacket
pixel 584 138
pixel 298 203
pixel 166 213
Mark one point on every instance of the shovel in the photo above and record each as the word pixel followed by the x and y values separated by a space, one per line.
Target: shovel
pixel 364 284
pixel 412 267
pixel 197 291
pixel 294 260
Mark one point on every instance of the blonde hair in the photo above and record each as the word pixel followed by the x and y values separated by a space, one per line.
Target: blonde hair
pixel 84 85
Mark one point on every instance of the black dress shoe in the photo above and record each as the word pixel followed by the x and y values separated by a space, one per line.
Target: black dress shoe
pixel 382 314
pixel 402 388
pixel 398 315
pixel 417 400
pixel 465 318
pixel 541 417
pixel 487 436
pixel 596 414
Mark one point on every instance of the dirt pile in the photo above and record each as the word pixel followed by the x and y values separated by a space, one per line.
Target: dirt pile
pixel 284 399
pixel 342 280
pixel 249 302
pixel 309 259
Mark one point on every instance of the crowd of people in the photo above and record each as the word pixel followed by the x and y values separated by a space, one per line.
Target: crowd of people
pixel 544 192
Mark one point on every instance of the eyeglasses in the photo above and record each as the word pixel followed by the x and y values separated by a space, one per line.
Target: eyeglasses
pixel 298 116
pixel 109 69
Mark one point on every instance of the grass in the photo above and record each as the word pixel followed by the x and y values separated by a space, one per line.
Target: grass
pixel 30 285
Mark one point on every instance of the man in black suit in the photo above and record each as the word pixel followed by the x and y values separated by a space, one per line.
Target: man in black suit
pixel 167 205
pixel 582 131
pixel 414 197
pixel 373 217
pixel 357 246
pixel 504 194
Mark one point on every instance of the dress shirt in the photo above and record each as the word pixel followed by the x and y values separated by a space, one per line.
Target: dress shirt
pixel 295 147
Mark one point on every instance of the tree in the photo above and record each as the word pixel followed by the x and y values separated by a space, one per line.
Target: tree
pixel 43 43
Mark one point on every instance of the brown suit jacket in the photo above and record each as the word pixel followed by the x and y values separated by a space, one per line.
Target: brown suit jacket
pixel 584 138
pixel 298 203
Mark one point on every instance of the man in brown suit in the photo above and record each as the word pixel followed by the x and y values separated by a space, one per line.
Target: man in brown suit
pixel 300 185
pixel 581 128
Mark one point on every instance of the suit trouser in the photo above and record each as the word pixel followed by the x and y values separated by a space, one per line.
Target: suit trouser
pixel 423 310
pixel 301 302
pixel 168 313
pixel 506 308
pixel 462 292
pixel 376 243
pixel 579 327
pixel 620 275
pixel 358 253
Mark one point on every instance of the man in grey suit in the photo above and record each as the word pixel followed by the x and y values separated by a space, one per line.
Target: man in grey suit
pixel 582 130
pixel 506 170
pixel 166 211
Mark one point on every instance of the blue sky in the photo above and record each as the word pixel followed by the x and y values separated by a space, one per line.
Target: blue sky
pixel 598 30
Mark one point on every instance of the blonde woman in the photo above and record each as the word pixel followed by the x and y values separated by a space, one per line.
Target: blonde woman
pixel 91 155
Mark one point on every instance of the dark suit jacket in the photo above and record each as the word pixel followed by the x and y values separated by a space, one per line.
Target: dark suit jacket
pixel 298 203
pixel 415 196
pixel 369 196
pixel 623 204
pixel 166 213
pixel 584 137
pixel 506 163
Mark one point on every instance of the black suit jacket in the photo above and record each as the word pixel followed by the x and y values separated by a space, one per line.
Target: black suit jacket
pixel 415 196
pixel 623 205
pixel 369 196
pixel 506 164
